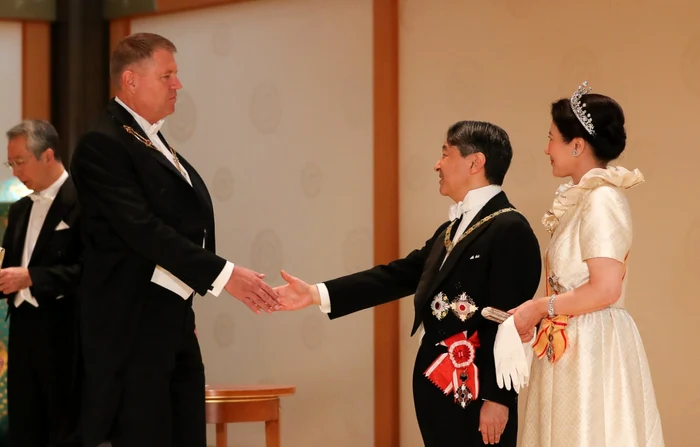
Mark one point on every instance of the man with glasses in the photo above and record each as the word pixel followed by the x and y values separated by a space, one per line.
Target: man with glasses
pixel 39 277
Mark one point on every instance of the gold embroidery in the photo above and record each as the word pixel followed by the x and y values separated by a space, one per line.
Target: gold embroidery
pixel 148 143
pixel 448 243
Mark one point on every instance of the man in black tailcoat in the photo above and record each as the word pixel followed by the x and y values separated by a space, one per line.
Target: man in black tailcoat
pixel 148 229
pixel 486 254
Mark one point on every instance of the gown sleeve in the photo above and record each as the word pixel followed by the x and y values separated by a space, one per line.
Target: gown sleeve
pixel 606 225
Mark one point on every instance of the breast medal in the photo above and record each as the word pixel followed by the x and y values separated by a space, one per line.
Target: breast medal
pixel 463 307
pixel 440 306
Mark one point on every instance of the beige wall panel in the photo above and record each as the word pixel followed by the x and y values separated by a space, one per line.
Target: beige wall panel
pixel 11 86
pixel 505 62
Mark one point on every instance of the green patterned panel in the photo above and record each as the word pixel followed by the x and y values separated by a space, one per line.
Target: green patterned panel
pixel 10 191
pixel 28 9
pixel 114 9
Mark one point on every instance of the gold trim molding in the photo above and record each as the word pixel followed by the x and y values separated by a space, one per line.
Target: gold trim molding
pixel 28 10
pixel 116 9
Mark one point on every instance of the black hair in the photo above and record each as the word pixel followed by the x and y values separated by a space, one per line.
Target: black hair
pixel 477 136
pixel 608 124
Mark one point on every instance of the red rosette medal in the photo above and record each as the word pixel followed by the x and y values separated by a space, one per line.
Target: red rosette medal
pixel 454 371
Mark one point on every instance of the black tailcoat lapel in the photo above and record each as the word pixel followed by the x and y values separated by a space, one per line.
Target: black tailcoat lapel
pixel 64 201
pixel 24 208
pixel 124 118
pixel 198 185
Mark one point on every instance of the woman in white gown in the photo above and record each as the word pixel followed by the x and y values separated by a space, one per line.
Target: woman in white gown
pixel 590 384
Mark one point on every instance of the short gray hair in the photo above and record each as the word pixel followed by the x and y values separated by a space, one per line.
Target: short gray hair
pixel 40 135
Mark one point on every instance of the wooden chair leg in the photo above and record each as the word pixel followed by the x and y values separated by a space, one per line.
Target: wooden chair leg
pixel 221 435
pixel 272 434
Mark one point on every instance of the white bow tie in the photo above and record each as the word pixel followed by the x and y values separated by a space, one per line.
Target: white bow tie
pixel 36 197
pixel 155 128
pixel 457 210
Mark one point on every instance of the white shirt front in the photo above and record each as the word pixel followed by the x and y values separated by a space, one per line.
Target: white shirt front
pixel 161 276
pixel 473 202
pixel 37 215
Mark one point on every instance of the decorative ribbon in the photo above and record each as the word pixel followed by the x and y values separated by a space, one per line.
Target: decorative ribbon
pixel 551 340
pixel 455 371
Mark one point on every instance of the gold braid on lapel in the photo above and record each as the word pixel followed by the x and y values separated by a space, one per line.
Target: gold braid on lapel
pixel 148 143
pixel 449 245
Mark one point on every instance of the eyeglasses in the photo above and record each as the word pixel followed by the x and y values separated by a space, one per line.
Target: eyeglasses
pixel 11 164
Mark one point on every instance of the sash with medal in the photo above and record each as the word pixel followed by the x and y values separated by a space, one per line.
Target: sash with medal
pixel 454 371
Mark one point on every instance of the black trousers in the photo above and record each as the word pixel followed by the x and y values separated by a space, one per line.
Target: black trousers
pixel 42 395
pixel 162 400
pixel 444 423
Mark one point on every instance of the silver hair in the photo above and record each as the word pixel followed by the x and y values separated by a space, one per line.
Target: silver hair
pixel 40 135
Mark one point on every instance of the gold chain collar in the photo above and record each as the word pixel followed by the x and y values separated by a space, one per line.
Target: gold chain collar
pixel 449 245
pixel 150 144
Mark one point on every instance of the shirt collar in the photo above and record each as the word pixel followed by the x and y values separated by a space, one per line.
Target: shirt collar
pixel 150 129
pixel 474 200
pixel 52 191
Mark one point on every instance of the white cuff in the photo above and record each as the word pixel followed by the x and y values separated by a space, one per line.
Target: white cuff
pixel 325 298
pixel 221 280
pixel 171 282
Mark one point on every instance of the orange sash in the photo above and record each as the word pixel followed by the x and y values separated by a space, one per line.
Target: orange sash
pixel 551 339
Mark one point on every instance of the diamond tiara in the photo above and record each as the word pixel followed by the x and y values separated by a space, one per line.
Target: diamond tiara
pixel 580 109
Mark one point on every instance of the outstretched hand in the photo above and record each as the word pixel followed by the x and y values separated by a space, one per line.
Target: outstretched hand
pixel 248 287
pixel 296 294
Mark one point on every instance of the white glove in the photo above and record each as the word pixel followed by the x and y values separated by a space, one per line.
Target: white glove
pixel 512 357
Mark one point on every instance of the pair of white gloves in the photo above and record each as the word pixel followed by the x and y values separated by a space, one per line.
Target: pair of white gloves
pixel 513 357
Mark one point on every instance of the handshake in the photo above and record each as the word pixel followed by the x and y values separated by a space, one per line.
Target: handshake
pixel 250 288
pixel 512 350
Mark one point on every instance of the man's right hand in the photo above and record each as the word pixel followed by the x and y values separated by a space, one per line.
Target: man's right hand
pixel 492 422
pixel 248 287
pixel 297 294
